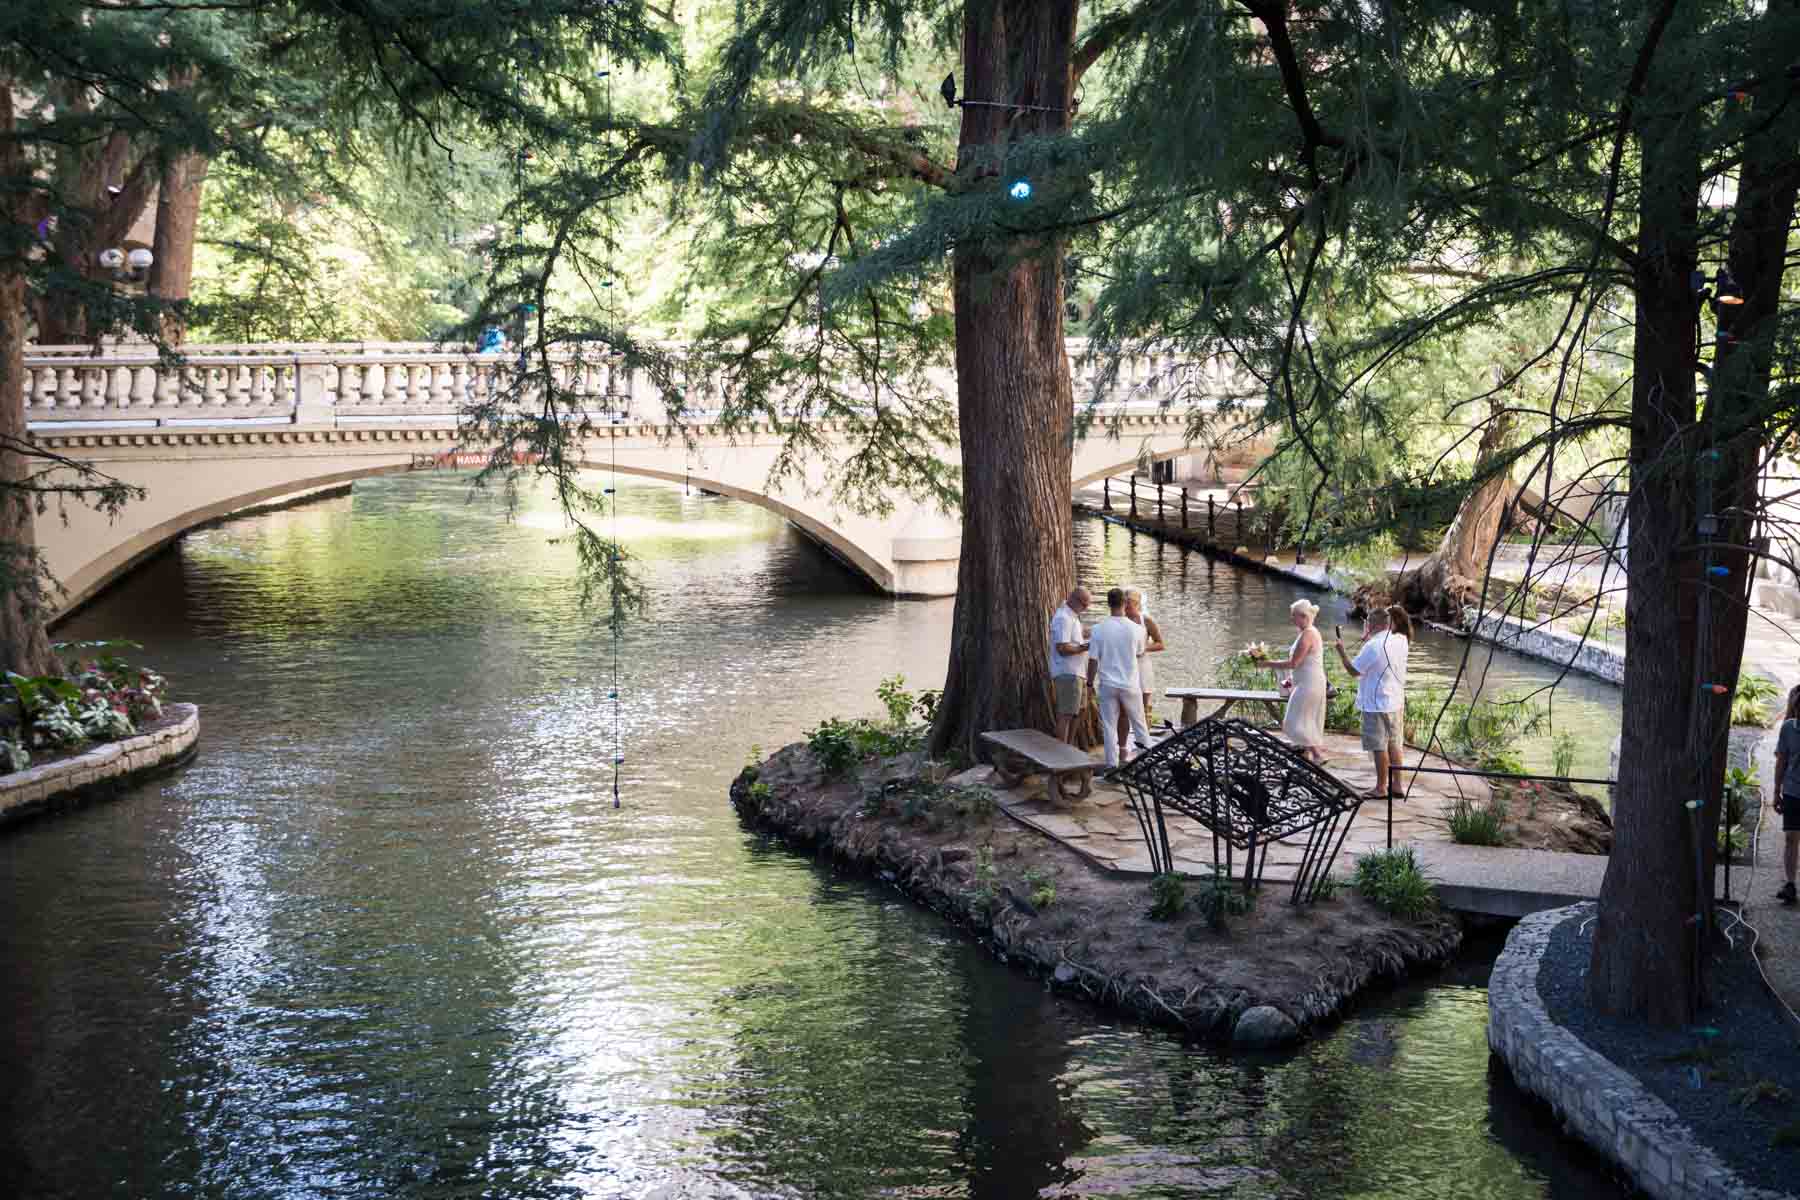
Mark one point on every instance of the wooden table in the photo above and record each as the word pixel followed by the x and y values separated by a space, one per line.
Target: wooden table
pixel 1191 697
pixel 1022 752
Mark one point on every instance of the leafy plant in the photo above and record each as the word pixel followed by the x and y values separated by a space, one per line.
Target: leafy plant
pixel 896 699
pixel 1218 897
pixel 1740 789
pixel 14 753
pixel 1750 699
pixel 1474 824
pixel 1043 892
pixel 1392 881
pixel 1167 895
pixel 1562 754
pixel 987 879
pixel 834 744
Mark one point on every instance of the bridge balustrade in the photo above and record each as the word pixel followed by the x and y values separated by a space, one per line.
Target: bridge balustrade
pixel 325 383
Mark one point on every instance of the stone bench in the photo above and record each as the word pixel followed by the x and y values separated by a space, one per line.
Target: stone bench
pixel 1022 752
pixel 1191 697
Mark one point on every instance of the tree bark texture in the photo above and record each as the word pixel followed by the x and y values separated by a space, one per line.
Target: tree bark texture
pixel 177 217
pixel 24 644
pixel 1015 402
pixel 1651 908
pixel 1450 577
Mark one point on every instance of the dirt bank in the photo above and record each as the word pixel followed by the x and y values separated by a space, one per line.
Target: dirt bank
pixel 1255 978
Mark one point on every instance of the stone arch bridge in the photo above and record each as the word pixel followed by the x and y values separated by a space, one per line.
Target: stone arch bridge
pixel 238 427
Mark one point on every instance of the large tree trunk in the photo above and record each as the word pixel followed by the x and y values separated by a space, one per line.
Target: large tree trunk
pixel 1646 940
pixel 177 217
pixel 1687 627
pixel 24 646
pixel 107 187
pixel 1450 577
pixel 1015 402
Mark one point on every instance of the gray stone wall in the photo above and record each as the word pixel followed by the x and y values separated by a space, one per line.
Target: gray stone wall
pixel 1596 1101
pixel 1552 645
pixel 22 791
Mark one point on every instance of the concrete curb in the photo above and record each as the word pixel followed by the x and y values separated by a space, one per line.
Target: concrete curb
pixel 102 770
pixel 1596 1101
pixel 1540 641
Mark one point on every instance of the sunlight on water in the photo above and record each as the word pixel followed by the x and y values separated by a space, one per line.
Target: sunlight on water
pixel 388 936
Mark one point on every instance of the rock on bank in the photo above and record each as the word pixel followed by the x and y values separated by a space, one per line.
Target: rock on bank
pixel 1261 977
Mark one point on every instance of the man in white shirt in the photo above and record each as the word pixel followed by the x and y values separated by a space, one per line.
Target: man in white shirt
pixel 1113 650
pixel 1068 659
pixel 1380 670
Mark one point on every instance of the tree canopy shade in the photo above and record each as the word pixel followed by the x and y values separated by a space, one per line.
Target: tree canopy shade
pixel 110 102
pixel 1330 195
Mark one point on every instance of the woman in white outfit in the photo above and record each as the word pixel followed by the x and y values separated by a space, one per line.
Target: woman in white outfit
pixel 1153 643
pixel 1304 722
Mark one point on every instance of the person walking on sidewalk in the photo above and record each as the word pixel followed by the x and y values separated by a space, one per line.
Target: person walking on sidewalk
pixel 1113 650
pixel 1787 794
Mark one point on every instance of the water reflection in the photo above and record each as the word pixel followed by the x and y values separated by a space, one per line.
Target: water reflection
pixel 388 937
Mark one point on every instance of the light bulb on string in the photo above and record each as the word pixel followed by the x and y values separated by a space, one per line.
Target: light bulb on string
pixel 1725 288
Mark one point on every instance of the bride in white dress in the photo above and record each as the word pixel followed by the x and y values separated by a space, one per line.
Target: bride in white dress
pixel 1304 722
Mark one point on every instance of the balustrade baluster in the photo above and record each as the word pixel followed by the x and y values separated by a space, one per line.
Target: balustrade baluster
pixel 118 388
pixel 398 381
pixel 349 384
pixel 260 388
pixel 68 389
pixel 143 387
pixel 29 386
pixel 168 387
pixel 442 386
pixel 374 384
pixel 238 385
pixel 218 381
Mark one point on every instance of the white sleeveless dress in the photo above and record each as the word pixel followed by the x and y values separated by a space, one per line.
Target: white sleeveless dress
pixel 1146 663
pixel 1304 721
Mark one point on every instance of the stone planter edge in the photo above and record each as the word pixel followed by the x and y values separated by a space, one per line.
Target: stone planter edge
pixel 103 769
pixel 1597 1101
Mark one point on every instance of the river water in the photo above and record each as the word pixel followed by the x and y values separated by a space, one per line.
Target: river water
pixel 389 937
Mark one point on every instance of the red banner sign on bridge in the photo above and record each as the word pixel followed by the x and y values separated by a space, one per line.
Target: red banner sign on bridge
pixel 458 459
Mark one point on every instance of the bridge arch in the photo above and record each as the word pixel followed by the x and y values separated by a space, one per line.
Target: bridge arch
pixel 123 556
pixel 833 540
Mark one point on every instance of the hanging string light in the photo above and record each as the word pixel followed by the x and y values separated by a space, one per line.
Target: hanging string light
pixel 612 394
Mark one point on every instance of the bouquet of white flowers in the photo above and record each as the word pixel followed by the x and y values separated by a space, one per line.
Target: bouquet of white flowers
pixel 1257 650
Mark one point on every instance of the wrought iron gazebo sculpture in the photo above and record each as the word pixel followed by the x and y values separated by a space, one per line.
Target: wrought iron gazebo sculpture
pixel 1248 789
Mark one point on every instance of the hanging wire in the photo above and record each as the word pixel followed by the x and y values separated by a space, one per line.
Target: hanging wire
pixel 612 398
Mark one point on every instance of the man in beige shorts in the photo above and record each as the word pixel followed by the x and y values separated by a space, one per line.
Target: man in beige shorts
pixel 1068 659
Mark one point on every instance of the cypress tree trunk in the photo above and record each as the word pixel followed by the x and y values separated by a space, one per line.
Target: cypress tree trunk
pixel 24 645
pixel 1449 578
pixel 1656 903
pixel 1015 402
pixel 177 217
pixel 1644 960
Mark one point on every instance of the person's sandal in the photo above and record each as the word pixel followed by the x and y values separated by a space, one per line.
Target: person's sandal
pixel 1787 895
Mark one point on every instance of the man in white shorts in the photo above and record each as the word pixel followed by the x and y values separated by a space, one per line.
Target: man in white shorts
pixel 1068 659
pixel 1113 650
